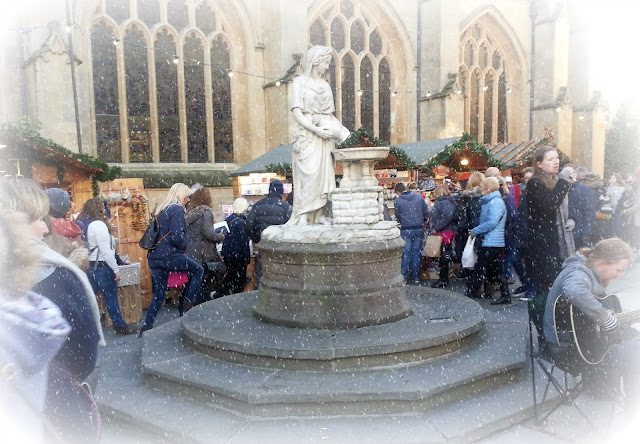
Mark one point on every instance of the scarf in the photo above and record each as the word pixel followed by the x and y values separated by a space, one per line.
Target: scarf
pixel 565 238
pixel 50 260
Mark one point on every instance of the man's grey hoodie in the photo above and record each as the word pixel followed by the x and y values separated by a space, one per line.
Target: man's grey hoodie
pixel 580 285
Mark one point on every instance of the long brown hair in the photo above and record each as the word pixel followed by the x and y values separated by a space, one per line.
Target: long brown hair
pixel 93 209
pixel 538 156
pixel 200 197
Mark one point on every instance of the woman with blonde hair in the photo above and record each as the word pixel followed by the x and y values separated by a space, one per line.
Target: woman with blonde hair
pixel 170 253
pixel 69 288
pixel 32 331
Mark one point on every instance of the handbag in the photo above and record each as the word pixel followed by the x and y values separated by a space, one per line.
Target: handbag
pixel 151 237
pixel 432 246
pixel 469 255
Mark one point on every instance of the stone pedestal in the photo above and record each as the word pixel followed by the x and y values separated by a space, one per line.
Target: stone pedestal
pixel 331 277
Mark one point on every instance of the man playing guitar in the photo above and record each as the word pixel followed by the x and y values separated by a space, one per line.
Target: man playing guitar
pixel 587 330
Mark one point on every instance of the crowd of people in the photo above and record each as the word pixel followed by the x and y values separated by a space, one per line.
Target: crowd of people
pixel 527 228
pixel 560 230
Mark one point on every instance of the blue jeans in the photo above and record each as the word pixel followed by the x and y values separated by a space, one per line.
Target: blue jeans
pixel 102 279
pixel 160 269
pixel 412 252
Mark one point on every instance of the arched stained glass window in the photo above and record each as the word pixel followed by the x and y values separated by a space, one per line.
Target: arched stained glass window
pixel 503 134
pixel 195 100
pixel 179 93
pixel 167 96
pixel 359 72
pixel 118 10
pixel 137 81
pixel 105 90
pixel 317 33
pixel 474 95
pixel 375 43
pixel 357 37
pixel 348 93
pixel 486 96
pixel 205 18
pixel 337 35
pixel 222 118
pixel 346 8
pixel 384 100
pixel 177 14
pixel 366 100
pixel 488 105
pixel 149 12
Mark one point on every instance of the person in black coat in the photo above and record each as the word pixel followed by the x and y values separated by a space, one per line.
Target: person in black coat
pixel 547 234
pixel 467 215
pixel 582 210
pixel 442 223
pixel 235 251
pixel 271 210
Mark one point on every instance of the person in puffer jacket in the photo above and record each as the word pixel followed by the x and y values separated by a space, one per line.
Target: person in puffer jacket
pixel 583 283
pixel 493 218
pixel 411 212
pixel 442 223
pixel 271 210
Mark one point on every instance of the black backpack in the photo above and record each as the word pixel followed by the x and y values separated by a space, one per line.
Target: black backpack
pixel 151 237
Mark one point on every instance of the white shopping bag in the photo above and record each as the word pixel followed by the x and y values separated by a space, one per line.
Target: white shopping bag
pixel 469 256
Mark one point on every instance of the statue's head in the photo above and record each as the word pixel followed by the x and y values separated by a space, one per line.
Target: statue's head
pixel 316 55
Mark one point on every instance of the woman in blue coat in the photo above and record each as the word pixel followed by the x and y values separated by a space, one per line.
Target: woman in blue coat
pixel 493 218
pixel 170 254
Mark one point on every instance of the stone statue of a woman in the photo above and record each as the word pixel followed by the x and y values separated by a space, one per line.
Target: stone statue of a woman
pixel 315 133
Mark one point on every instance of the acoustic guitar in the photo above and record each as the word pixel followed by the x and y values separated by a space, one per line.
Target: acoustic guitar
pixel 591 342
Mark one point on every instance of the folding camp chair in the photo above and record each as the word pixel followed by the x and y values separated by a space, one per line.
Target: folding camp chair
pixel 561 370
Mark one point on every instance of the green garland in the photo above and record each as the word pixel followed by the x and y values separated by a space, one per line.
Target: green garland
pixel 283 168
pixel 365 138
pixel 466 142
pixel 402 157
pixel 26 133
pixel 362 137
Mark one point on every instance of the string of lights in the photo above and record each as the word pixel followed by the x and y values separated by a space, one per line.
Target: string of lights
pixel 231 72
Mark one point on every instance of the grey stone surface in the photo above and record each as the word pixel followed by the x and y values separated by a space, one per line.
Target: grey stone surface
pixel 440 318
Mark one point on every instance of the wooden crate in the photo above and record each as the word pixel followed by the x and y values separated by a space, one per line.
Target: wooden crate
pixel 130 300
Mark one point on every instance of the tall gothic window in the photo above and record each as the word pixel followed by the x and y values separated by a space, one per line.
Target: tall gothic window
pixel 195 99
pixel 181 61
pixel 105 90
pixel 484 80
pixel 167 98
pixel 362 78
pixel 137 81
pixel 222 121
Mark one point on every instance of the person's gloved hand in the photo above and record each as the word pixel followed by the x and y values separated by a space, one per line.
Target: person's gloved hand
pixel 570 225
pixel 567 174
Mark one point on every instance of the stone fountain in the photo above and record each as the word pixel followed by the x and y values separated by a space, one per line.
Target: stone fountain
pixel 343 275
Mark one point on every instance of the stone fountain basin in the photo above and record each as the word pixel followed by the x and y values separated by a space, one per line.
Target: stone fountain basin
pixel 361 153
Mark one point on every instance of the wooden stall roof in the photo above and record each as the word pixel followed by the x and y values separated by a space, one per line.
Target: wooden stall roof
pixel 510 152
